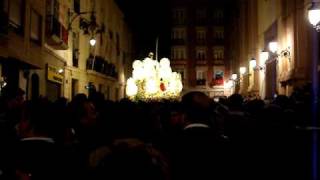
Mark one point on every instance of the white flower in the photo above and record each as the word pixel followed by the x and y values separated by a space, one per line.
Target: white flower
pixel 132 88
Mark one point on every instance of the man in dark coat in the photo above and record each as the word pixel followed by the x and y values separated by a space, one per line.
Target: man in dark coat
pixel 198 150
pixel 37 155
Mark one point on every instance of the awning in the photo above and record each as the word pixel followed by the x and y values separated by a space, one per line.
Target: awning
pixel 19 63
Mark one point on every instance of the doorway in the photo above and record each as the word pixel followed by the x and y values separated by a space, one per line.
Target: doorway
pixel 74 87
pixel 35 86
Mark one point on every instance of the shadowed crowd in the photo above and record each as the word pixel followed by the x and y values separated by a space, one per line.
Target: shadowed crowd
pixel 195 138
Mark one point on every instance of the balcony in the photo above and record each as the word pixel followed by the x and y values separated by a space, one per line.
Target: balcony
pixel 178 61
pixel 201 82
pixel 178 41
pixel 218 61
pixel 3 23
pixel 76 6
pixel 217 21
pixel 178 22
pixel 218 41
pixel 56 34
pixel 201 22
pixel 102 66
pixel 201 62
pixel 201 41
pixel 217 82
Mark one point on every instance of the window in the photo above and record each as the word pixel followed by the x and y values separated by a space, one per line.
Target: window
pixel 201 15
pixel 118 44
pixel 218 75
pixel 181 72
pixel 218 53
pixel 201 35
pixel 3 16
pixel 35 26
pixel 179 16
pixel 218 33
pixel 76 6
pixel 179 53
pixel 4 6
pixel 16 14
pixel 218 14
pixel 178 34
pixel 75 49
pixel 201 54
pixel 200 75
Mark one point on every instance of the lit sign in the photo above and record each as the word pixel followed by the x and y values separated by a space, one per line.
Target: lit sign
pixel 54 75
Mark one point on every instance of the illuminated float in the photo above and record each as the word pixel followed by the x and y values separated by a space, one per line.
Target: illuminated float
pixel 153 81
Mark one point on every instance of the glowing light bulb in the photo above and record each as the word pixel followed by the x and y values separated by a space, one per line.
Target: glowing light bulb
pixel 92 41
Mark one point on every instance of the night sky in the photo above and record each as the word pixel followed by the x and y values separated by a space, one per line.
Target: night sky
pixel 148 19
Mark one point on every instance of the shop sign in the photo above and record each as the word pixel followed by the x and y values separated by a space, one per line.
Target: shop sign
pixel 54 74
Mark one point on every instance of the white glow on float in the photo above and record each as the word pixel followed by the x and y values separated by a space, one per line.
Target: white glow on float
pixel 153 80
pixel 132 88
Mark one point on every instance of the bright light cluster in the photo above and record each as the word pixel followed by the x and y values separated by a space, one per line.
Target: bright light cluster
pixel 152 80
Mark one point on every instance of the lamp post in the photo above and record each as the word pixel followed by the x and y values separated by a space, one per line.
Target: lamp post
pixel 314 19
pixel 89 26
pixel 314 16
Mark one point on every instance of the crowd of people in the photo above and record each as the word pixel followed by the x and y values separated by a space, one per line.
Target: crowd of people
pixel 195 138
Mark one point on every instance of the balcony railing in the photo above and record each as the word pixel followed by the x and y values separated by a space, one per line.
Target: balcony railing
pixel 201 22
pixel 201 41
pixel 3 23
pixel 178 41
pixel 56 34
pixel 218 41
pixel 201 61
pixel 218 61
pixel 201 82
pixel 177 22
pixel 217 82
pixel 100 65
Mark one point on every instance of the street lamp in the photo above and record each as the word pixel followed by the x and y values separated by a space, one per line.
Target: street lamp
pixel 273 46
pixel 253 63
pixel 92 41
pixel 314 16
pixel 234 77
pixel 88 26
pixel 264 55
pixel 242 70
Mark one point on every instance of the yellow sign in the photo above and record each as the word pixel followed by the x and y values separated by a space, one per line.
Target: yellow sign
pixel 54 74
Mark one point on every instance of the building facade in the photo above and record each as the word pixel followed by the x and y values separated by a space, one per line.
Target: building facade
pixel 198 43
pixel 280 38
pixel 45 49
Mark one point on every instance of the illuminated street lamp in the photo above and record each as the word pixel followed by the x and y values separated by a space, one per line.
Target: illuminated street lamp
pixel 253 63
pixel 92 41
pixel 273 46
pixel 314 16
pixel 242 70
pixel 264 55
pixel 234 77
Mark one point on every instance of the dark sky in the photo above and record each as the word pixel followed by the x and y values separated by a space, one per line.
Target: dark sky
pixel 148 19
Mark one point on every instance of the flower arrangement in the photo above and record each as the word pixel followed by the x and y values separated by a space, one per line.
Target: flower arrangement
pixel 153 81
